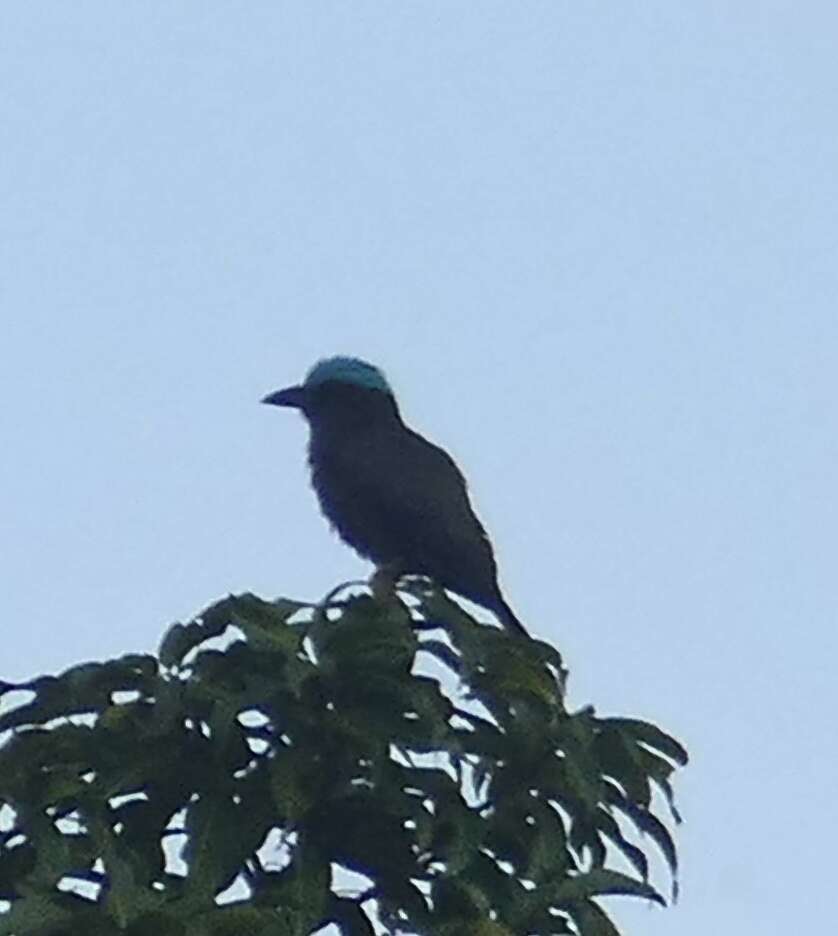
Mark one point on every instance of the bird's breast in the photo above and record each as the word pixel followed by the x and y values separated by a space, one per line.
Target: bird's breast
pixel 348 480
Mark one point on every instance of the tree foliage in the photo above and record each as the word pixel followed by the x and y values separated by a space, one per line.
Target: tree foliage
pixel 280 766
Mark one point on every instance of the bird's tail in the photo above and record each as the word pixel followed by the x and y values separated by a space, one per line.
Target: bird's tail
pixel 508 618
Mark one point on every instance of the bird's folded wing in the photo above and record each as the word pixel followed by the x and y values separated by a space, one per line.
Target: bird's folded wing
pixel 415 496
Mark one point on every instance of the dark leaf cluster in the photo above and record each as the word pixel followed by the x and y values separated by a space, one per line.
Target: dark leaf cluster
pixel 279 767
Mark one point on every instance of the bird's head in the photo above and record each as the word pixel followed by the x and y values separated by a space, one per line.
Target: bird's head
pixel 344 387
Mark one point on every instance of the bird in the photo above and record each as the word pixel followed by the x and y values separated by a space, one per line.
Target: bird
pixel 396 498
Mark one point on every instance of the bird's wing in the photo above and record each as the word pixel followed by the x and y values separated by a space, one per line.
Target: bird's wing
pixel 441 493
pixel 416 509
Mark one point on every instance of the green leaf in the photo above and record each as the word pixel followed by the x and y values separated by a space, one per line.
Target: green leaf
pixel 33 916
pixel 223 833
pixel 239 921
pixel 299 747
pixel 443 653
pixel 650 734
pixel 601 882
pixel 616 757
pixel 592 920
pixel 301 892
pixel 50 701
pixel 264 623
pixel 608 826
pixel 158 923
pixel 294 786
pixel 180 639
pixel 649 823
pixel 350 917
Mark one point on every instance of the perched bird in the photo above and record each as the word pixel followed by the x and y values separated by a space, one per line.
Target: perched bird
pixel 391 495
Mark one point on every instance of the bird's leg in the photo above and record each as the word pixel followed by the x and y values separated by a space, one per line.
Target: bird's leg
pixel 383 580
pixel 383 586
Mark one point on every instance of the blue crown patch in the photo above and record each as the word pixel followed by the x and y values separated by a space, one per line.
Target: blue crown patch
pixel 348 370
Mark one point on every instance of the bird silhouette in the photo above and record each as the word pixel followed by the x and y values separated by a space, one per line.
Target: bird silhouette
pixel 396 498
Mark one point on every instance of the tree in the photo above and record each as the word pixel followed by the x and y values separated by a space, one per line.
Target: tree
pixel 281 766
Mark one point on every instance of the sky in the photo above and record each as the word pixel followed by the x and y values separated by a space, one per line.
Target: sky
pixel 592 245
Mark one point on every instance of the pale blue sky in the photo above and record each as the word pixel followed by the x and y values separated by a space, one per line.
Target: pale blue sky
pixel 594 247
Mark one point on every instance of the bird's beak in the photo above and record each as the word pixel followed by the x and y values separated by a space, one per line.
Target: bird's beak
pixel 290 396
